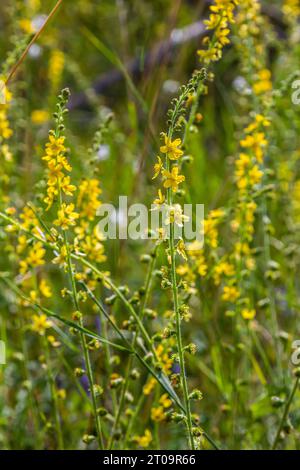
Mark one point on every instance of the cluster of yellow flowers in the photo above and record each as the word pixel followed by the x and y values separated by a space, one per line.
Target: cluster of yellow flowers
pixel 250 27
pixel 158 412
pixel 221 16
pixel 6 157
pixel 40 324
pixel 145 440
pixel 248 172
pixel 35 251
pixel 248 176
pixel 291 9
pixel 211 262
pixel 88 238
pixel 57 180
pixel 56 67
pixel 171 178
pixel 211 223
pixel 5 99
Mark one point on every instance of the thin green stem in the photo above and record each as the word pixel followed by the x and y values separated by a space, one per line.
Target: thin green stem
pixel 131 358
pixel 285 413
pixel 53 396
pixel 84 348
pixel 184 385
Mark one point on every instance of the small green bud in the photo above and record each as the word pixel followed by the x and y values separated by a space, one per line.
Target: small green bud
pixel 177 417
pixel 88 438
pixel 297 372
pixel 98 390
pixel 145 259
pixel 79 372
pixel 277 402
pixel 135 374
pixel 110 300
pixel 197 432
pixel 102 412
pixel 196 395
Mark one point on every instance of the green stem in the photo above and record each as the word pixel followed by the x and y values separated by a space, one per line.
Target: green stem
pixel 271 292
pixel 53 396
pixel 285 413
pixel 133 418
pixel 84 348
pixel 179 339
pixel 131 358
pixel 184 385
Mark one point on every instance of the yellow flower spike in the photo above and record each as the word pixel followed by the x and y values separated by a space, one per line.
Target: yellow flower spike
pixel 221 16
pixel 88 200
pixel 55 146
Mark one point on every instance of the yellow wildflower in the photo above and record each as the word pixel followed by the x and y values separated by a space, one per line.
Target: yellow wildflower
pixel 180 248
pixel 165 401
pixel 171 148
pixel 145 440
pixel 40 324
pixel 34 259
pixel 66 187
pixel 157 167
pixel 248 314
pixel 157 414
pixel 149 386
pixel 66 216
pixel 45 289
pixel 61 394
pixel 55 146
pixel 263 82
pixel 39 116
pixel 172 179
pixel 230 293
pixel 160 199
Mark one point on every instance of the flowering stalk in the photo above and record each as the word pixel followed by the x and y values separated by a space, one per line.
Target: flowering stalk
pixel 172 179
pixel 57 184
pixel 178 317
